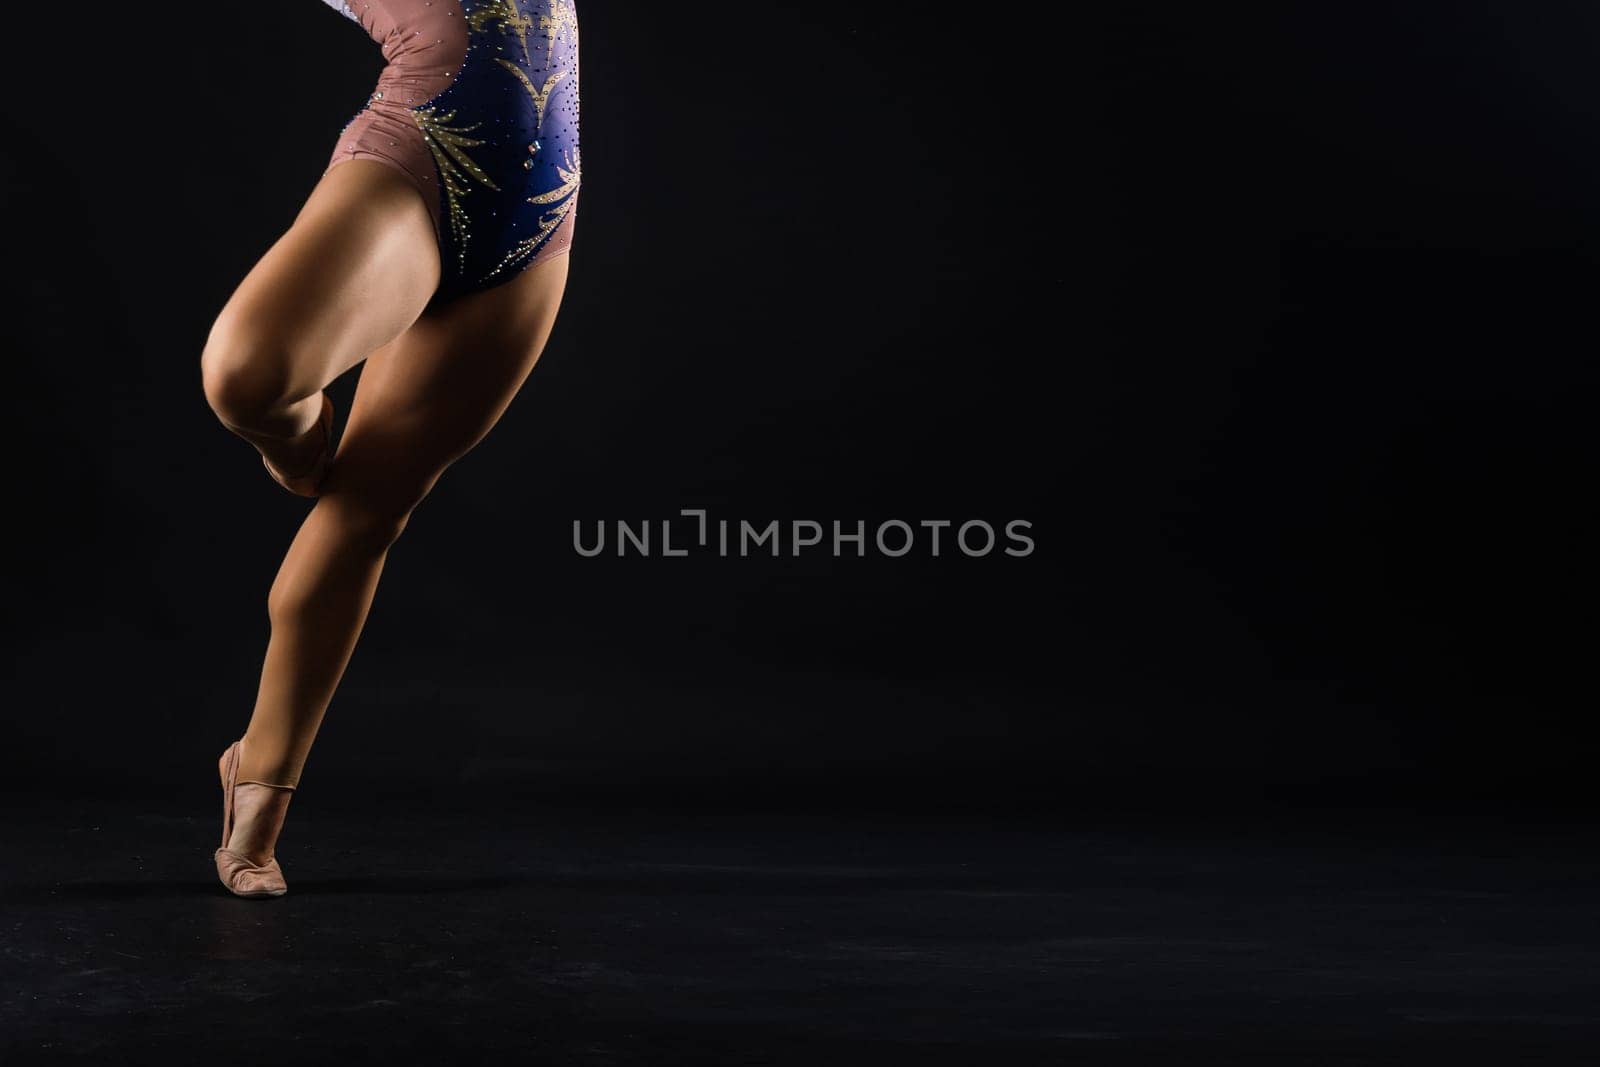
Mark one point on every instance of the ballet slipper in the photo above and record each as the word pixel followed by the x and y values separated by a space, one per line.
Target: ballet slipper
pixel 239 873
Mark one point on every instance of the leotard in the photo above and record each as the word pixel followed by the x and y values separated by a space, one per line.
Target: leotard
pixel 478 108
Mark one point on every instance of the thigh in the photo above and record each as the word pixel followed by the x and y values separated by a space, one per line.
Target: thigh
pixel 355 270
pixel 426 398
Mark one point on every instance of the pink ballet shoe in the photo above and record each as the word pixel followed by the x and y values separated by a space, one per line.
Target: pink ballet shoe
pixel 242 875
pixel 310 482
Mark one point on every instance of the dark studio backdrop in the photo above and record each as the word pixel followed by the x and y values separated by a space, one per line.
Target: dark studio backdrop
pixel 1276 323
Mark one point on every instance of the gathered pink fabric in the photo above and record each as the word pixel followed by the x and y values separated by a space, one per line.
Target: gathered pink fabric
pixel 424 45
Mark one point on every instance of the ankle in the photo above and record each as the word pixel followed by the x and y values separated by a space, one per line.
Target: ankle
pixel 265 764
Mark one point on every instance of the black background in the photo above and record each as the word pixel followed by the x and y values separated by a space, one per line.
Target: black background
pixel 1276 323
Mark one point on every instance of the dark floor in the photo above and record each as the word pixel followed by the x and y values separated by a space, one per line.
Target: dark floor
pixel 554 937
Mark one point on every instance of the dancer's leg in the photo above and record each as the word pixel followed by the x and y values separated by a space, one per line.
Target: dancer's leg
pixel 355 269
pixel 423 401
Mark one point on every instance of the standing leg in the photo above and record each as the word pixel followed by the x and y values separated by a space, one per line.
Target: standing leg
pixel 423 401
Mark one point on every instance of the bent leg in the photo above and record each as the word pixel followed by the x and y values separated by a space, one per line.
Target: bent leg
pixel 355 269
pixel 423 401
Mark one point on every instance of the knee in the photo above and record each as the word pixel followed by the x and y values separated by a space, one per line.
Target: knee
pixel 370 523
pixel 243 372
pixel 357 536
pixel 374 530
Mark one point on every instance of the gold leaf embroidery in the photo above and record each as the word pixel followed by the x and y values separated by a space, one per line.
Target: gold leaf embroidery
pixel 571 177
pixel 449 146
pixel 540 97
pixel 570 174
